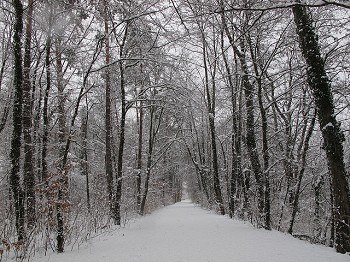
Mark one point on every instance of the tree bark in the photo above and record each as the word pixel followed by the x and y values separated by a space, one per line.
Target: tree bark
pixel 44 171
pixel 211 118
pixel 139 154
pixel 265 147
pixel 252 146
pixel 266 157
pixel 250 125
pixel 317 227
pixel 5 58
pixel 108 119
pixel 4 117
pixel 153 131
pixel 28 168
pixel 301 174
pixel 15 154
pixel 333 137
pixel 235 143
pixel 84 155
pixel 149 160
pixel 45 135
pixel 119 175
pixel 62 195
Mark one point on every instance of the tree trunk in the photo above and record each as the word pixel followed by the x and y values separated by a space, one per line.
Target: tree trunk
pixel 250 125
pixel 44 170
pixel 251 143
pixel 332 216
pixel 211 118
pixel 62 195
pixel 317 227
pixel 119 175
pixel 37 112
pixel 28 168
pixel 6 43
pixel 139 151
pixel 108 119
pixel 216 179
pixel 199 143
pixel 45 135
pixel 301 174
pixel 235 144
pixel 15 154
pixel 5 58
pixel 265 147
pixel 84 155
pixel 153 130
pixel 149 161
pixel 330 127
pixel 4 117
pixel 266 157
pixel 139 157
pixel 238 147
pixel 202 182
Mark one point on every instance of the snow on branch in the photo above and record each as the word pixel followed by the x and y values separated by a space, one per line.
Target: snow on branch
pixel 283 5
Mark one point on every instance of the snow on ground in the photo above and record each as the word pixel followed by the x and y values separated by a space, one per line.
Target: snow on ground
pixel 186 233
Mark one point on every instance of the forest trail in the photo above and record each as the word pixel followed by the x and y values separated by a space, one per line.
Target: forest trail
pixel 186 233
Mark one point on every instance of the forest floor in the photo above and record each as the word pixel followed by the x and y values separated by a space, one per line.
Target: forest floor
pixel 186 233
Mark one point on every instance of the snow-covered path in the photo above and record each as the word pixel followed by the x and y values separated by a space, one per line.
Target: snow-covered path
pixel 186 233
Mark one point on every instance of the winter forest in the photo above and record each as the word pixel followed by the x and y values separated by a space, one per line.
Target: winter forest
pixel 110 109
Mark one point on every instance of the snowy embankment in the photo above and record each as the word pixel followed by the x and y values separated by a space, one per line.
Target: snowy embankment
pixel 186 233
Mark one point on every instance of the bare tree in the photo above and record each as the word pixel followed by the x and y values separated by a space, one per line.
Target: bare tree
pixel 152 133
pixel 333 137
pixel 28 166
pixel 15 181
pixel 108 116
